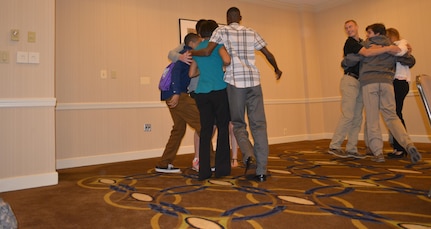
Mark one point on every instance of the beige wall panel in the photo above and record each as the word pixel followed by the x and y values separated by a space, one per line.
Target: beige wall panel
pixel 132 38
pixel 407 16
pixel 83 133
pixel 27 80
pixel 414 115
pixel 285 120
pixel 27 141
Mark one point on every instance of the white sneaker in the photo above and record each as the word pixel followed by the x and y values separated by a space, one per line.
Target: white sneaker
pixel 169 169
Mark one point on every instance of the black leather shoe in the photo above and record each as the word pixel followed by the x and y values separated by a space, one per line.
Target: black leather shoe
pixel 397 154
pixel 260 178
pixel 249 163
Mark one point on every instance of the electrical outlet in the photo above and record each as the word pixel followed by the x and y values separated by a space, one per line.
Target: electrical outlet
pixel 147 127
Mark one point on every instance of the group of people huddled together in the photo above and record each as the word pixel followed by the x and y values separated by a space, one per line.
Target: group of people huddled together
pixel 376 77
pixel 215 82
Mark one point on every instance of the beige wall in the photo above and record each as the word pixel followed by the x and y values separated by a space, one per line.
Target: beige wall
pixel 102 120
pixel 409 17
pixel 27 102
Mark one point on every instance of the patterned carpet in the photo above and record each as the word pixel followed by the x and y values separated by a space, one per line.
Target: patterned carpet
pixel 306 188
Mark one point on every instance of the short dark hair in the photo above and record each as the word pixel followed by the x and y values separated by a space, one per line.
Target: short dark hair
pixel 207 28
pixel 233 14
pixel 377 28
pixel 190 37
pixel 198 26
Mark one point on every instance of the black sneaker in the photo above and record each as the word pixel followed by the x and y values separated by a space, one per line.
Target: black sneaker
pixel 169 169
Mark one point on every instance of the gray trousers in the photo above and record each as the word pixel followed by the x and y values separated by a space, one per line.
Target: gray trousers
pixel 380 98
pixel 349 124
pixel 249 100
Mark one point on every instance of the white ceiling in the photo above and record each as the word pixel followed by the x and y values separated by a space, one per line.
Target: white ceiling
pixel 314 5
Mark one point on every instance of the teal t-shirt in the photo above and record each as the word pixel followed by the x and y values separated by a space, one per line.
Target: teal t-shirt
pixel 211 77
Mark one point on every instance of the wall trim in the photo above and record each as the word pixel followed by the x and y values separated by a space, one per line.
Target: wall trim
pixel 161 104
pixel 116 105
pixel 27 102
pixel 29 181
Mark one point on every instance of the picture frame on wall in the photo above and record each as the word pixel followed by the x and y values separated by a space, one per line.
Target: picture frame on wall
pixel 186 26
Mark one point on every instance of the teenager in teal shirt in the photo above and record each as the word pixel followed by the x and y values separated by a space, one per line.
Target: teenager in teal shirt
pixel 213 105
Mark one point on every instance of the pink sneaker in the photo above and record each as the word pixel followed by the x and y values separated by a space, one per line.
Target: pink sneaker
pixel 195 164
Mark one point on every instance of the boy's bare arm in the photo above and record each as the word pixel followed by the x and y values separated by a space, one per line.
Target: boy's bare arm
pixel 224 56
pixel 272 61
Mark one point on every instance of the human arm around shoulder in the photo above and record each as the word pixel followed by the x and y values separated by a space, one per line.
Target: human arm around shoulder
pixel 205 51
pixel 175 55
pixel 402 44
pixel 408 60
pixel 391 49
pixel 270 57
pixel 224 55
pixel 350 60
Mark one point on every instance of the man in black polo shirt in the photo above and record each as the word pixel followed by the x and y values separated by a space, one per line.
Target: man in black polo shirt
pixel 350 121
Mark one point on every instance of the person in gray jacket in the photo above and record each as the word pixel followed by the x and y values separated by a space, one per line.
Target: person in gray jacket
pixel 375 76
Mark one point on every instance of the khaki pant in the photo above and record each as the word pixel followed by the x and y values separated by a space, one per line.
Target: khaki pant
pixel 186 112
pixel 380 98
pixel 349 124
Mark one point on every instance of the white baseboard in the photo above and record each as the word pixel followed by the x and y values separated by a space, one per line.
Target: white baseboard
pixel 30 181
pixel 296 138
pixel 116 157
pixel 153 153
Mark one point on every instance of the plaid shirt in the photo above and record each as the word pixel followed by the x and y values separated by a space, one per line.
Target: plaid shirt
pixel 240 43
